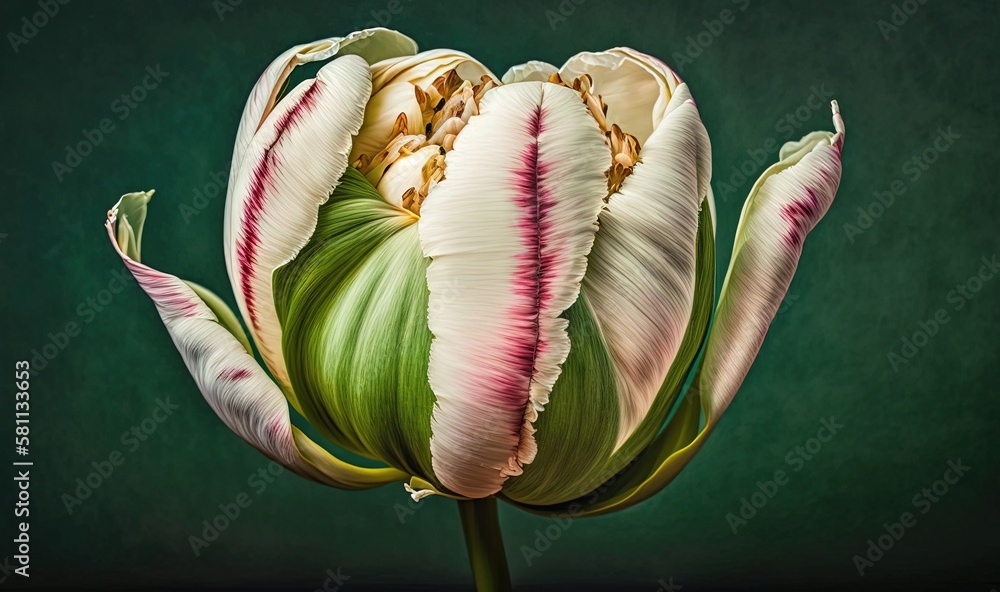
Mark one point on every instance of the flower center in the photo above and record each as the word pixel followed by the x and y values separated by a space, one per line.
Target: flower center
pixel 446 107
pixel 624 147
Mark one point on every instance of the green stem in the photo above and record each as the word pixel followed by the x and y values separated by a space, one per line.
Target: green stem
pixel 485 542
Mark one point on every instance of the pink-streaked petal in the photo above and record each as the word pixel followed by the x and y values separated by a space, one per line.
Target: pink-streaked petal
pixel 784 205
pixel 641 273
pixel 371 44
pixel 508 231
pixel 233 384
pixel 290 168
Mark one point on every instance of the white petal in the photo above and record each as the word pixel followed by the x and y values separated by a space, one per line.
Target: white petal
pixel 405 173
pixel 636 87
pixel 290 167
pixel 425 67
pixel 533 71
pixel 641 275
pixel 372 44
pixel 508 231
pixel 380 118
pixel 784 205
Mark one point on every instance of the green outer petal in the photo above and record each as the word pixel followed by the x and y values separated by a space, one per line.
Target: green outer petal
pixel 577 432
pixel 644 463
pixel 353 308
pixel 322 464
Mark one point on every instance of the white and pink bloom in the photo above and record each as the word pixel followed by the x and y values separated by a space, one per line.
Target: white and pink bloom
pixel 495 286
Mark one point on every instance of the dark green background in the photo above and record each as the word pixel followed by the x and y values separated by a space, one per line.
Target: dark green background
pixel 825 355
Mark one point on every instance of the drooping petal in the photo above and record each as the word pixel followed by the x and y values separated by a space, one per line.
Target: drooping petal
pixel 508 231
pixel 640 280
pixel 289 169
pixel 784 205
pixel 636 87
pixel 208 338
pixel 533 71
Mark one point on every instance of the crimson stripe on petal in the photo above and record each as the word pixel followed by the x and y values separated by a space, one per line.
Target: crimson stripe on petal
pixel 508 232
pixel 785 204
pixel 289 169
pixel 263 179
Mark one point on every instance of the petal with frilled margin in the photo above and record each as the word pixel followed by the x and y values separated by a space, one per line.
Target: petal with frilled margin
pixel 288 156
pixel 214 349
pixel 636 314
pixel 508 231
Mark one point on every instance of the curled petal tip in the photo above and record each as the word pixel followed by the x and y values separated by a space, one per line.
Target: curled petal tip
pixel 838 121
pixel 144 195
pixel 417 494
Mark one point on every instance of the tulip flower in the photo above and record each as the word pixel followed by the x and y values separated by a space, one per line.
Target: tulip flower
pixel 499 288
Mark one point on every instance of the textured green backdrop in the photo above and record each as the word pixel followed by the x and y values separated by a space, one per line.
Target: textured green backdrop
pixel 856 295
